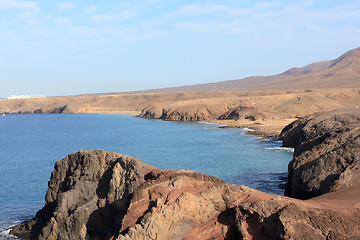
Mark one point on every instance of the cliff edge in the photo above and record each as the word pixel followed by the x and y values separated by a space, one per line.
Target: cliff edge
pixel 327 153
pixel 102 195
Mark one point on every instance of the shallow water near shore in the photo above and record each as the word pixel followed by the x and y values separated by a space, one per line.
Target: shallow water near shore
pixel 31 144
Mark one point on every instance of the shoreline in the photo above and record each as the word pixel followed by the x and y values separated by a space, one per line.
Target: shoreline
pixel 264 128
pixel 345 201
pixel 131 113
pixel 134 113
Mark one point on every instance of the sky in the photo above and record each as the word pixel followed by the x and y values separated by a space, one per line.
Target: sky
pixel 73 47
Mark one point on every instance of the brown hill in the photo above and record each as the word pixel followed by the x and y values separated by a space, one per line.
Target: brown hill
pixel 343 72
pixel 268 110
pixel 314 67
pixel 264 109
pixel 224 85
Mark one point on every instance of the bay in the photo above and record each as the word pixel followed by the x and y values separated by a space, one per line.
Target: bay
pixel 31 144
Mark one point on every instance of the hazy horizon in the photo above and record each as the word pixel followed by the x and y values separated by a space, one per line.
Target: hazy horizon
pixel 76 47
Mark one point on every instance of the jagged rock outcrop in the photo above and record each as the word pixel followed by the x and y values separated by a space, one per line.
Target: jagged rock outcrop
pixel 101 195
pixel 186 113
pixel 47 110
pixel 190 112
pixel 327 153
pixel 87 197
pixel 242 112
pixel 244 109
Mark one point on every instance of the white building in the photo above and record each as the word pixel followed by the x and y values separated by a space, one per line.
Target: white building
pixel 12 97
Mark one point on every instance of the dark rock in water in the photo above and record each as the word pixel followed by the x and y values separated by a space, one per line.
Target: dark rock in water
pixel 102 195
pixel 327 153
pixel 61 109
pixel 87 197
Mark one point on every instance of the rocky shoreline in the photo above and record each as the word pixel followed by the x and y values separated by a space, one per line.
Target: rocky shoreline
pixel 266 111
pixel 327 153
pixel 102 195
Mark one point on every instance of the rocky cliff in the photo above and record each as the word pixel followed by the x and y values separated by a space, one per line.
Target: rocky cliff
pixel 87 196
pixel 266 111
pixel 327 153
pixel 198 111
pixel 253 106
pixel 102 195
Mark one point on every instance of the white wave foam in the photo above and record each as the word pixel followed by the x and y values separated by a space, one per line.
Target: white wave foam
pixel 5 234
pixel 284 149
pixel 212 124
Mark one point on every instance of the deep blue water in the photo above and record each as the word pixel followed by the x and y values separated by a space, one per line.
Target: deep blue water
pixel 31 144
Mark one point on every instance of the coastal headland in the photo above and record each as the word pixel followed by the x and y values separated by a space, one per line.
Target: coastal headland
pixel 267 111
pixel 315 109
pixel 103 195
pixel 264 103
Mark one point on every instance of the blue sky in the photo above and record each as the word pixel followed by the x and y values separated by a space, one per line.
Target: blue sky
pixel 73 47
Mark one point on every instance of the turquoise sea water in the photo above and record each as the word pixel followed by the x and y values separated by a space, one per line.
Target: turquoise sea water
pixel 31 144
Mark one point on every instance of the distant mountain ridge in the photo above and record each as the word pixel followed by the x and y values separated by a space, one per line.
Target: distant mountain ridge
pixel 342 72
pixel 314 67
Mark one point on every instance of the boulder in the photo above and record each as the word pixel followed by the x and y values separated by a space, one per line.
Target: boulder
pixel 87 197
pixel 102 195
pixel 327 153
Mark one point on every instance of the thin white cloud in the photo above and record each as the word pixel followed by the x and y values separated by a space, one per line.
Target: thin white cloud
pixel 91 31
pixel 124 15
pixel 267 4
pixel 6 34
pixel 65 6
pixel 33 22
pixel 25 5
pixel 104 17
pixel 191 26
pixel 63 21
pixel 267 21
pixel 203 9
pixel 124 4
pixel 90 9
pixel 195 9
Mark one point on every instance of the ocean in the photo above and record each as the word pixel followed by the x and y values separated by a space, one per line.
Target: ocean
pixel 31 144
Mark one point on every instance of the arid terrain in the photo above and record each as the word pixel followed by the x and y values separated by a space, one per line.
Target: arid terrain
pixel 263 103
pixel 342 72
pixel 267 110
pixel 315 109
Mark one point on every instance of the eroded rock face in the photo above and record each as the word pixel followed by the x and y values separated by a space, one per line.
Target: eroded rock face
pixel 190 112
pixel 187 113
pixel 101 195
pixel 241 112
pixel 88 195
pixel 327 153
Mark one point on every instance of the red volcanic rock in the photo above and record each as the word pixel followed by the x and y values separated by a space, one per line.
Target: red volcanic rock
pixel 102 195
